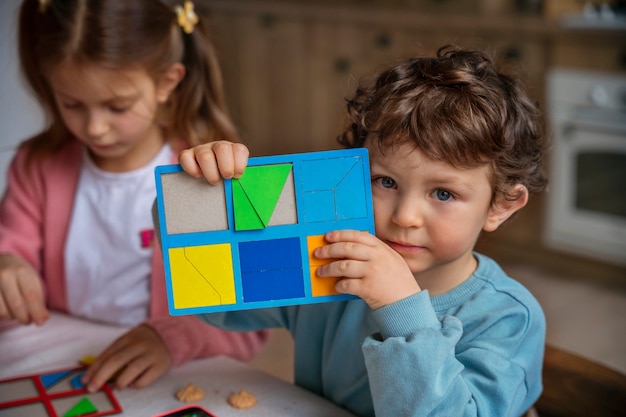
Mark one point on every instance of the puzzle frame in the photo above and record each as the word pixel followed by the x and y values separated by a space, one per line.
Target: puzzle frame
pixel 56 393
pixel 247 243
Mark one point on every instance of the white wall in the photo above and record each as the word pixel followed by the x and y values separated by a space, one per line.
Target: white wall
pixel 20 115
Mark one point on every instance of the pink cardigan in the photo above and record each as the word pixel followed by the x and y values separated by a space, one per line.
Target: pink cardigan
pixel 34 218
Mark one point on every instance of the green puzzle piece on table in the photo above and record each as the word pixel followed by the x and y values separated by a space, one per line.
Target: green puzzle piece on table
pixel 256 193
pixel 84 406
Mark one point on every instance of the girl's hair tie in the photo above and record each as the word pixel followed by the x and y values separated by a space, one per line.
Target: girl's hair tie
pixel 186 16
pixel 43 5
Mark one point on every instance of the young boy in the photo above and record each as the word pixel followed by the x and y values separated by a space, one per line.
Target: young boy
pixel 439 330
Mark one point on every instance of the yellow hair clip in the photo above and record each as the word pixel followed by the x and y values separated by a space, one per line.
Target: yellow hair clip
pixel 43 5
pixel 187 18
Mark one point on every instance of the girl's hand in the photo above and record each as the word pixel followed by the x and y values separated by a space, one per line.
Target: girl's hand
pixel 368 267
pixel 21 293
pixel 135 359
pixel 215 160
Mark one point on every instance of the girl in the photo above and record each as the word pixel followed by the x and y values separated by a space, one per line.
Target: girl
pixel 126 86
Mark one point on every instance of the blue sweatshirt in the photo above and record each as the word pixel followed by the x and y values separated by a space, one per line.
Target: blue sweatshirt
pixel 476 350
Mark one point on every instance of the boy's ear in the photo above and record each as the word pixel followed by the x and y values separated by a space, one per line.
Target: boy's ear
pixel 168 81
pixel 502 208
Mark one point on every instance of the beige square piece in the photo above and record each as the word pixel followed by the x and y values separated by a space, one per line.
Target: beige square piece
pixel 192 205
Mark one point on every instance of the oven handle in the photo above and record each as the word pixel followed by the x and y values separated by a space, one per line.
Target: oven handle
pixel 602 120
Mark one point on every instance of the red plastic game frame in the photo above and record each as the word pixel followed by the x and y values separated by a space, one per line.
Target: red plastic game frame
pixel 45 398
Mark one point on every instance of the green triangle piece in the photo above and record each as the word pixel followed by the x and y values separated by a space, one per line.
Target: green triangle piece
pixel 84 406
pixel 246 218
pixel 261 188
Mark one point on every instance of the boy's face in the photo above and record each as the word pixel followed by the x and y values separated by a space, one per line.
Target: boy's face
pixel 430 212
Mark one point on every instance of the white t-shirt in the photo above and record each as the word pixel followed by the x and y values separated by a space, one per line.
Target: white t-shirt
pixel 108 249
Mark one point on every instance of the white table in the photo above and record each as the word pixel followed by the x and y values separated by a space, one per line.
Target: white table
pixel 63 340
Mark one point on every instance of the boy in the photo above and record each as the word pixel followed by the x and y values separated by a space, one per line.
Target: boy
pixel 439 330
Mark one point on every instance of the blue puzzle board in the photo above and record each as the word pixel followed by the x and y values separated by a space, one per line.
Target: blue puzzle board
pixel 247 243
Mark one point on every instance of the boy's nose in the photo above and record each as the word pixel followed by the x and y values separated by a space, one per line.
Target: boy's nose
pixel 408 213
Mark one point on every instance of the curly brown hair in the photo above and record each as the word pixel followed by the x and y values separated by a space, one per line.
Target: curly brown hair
pixel 455 107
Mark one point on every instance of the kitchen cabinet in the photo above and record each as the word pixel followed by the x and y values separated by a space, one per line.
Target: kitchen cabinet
pixel 288 67
pixel 594 50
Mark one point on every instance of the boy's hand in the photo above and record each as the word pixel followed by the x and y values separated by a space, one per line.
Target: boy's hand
pixel 369 268
pixel 136 359
pixel 215 160
pixel 21 293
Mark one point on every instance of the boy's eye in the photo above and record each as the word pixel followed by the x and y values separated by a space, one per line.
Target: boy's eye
pixel 442 195
pixel 385 182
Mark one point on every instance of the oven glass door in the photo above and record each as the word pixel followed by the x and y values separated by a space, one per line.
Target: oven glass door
pixel 587 195
pixel 600 182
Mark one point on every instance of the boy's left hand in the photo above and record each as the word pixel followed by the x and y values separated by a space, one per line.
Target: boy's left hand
pixel 138 358
pixel 369 268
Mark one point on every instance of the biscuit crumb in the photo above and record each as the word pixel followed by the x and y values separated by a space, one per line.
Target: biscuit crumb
pixel 190 393
pixel 242 399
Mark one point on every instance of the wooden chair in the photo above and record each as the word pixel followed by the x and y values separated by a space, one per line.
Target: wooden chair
pixel 574 386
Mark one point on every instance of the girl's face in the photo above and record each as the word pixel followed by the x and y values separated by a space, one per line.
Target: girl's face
pixel 431 213
pixel 112 112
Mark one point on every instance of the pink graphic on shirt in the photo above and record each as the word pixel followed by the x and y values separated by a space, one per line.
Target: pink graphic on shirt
pixel 147 237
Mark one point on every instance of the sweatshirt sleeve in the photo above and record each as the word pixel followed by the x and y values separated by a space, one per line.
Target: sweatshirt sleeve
pixel 21 213
pixel 186 337
pixel 485 374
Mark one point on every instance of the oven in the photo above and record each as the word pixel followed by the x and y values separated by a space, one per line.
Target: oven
pixel 586 199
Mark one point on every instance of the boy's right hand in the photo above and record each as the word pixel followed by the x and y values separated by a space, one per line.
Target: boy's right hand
pixel 215 160
pixel 21 293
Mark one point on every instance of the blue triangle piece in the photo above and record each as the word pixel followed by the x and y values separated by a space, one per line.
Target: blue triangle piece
pixel 76 382
pixel 49 380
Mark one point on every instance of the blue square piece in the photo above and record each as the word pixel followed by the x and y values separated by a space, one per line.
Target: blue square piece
pixel 337 195
pixel 271 270
pixel 271 254
pixel 277 284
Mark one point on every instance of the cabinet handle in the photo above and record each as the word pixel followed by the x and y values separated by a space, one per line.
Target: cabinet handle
pixel 621 58
pixel 267 20
pixel 383 41
pixel 512 53
pixel 342 65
